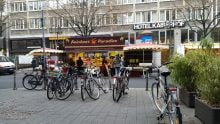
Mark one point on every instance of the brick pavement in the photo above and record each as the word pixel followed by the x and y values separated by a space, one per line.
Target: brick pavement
pixel 32 107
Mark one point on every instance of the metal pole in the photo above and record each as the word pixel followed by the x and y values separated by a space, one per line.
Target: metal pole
pixel 43 42
pixel 146 77
pixel 15 61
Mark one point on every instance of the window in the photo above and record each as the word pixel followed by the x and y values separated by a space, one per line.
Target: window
pixel 98 19
pixel 168 15
pixel 12 7
pixel 19 24
pixel 117 18
pixel 142 1
pixel 16 7
pixel 124 18
pixel 146 16
pixel 96 2
pixel 58 22
pixel 35 23
pixel 119 2
pixel 108 19
pixel 138 17
pixel 154 16
pixel 65 23
pixel 35 5
pixel 130 17
pixel 173 15
pixel 162 15
pixel 162 37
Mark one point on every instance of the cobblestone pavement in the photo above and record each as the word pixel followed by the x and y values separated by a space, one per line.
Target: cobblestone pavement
pixel 32 107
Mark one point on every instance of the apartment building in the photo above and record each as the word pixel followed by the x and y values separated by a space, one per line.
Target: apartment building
pixel 135 20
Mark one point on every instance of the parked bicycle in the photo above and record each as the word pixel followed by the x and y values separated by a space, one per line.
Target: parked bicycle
pixel 120 83
pixel 89 86
pixel 59 85
pixel 165 97
pixel 102 82
pixel 35 80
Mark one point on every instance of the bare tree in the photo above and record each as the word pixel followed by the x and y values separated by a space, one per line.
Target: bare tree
pixel 200 14
pixel 3 17
pixel 85 16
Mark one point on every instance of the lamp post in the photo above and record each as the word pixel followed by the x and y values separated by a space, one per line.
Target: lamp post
pixel 43 45
pixel 58 31
pixel 169 27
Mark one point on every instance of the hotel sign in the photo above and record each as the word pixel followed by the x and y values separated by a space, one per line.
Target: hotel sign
pixel 158 25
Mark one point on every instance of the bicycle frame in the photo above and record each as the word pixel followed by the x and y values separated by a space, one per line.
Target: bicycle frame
pixel 168 96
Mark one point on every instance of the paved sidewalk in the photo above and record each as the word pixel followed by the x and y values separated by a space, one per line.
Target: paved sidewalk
pixel 32 107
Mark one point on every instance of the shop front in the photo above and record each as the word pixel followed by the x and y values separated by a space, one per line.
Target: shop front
pixel 93 49
pixel 139 56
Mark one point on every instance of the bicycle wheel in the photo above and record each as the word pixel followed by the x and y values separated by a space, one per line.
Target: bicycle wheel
pixel 83 93
pixel 92 89
pixel 117 92
pixel 50 90
pixel 174 113
pixel 63 89
pixel 104 84
pixel 176 117
pixel 41 83
pixel 72 79
pixel 158 96
pixel 29 82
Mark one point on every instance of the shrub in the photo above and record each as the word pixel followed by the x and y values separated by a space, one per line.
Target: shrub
pixel 209 82
pixel 185 70
pixel 182 72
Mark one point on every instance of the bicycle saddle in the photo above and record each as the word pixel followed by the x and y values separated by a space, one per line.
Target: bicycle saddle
pixel 165 74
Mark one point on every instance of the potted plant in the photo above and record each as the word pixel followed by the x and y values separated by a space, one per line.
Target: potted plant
pixel 184 75
pixel 207 106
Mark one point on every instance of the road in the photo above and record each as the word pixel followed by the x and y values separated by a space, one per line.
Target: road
pixel 7 81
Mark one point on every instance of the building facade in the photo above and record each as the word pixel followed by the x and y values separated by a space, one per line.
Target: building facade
pixel 136 20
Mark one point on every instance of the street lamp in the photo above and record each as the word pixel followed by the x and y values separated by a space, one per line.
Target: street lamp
pixel 58 31
pixel 169 26
pixel 43 45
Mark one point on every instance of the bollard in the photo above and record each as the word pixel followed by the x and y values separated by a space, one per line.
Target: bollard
pixel 146 77
pixel 15 87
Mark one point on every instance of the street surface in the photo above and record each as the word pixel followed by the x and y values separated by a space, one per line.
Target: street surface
pixel 7 81
pixel 23 106
pixel 32 107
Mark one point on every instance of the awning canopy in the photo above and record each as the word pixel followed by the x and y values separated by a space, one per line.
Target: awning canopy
pixel 47 51
pixel 144 46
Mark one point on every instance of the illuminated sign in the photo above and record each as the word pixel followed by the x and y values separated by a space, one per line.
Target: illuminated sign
pixel 94 43
pixel 91 41
pixel 157 25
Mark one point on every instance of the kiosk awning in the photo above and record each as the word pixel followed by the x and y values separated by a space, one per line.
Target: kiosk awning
pixel 143 46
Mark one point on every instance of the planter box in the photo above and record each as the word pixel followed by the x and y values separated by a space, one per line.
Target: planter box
pixel 188 98
pixel 206 113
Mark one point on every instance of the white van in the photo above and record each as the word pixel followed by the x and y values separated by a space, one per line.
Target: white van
pixel 6 66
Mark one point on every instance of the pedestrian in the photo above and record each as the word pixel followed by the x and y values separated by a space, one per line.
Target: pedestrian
pixel 79 64
pixel 71 71
pixel 34 63
pixel 117 64
pixel 103 67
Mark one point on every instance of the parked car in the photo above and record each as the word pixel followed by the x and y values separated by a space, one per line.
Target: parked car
pixel 6 66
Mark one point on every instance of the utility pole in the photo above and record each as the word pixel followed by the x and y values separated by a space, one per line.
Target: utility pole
pixel 43 45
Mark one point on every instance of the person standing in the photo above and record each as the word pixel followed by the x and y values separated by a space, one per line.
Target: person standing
pixel 72 71
pixel 34 63
pixel 117 64
pixel 103 68
pixel 79 64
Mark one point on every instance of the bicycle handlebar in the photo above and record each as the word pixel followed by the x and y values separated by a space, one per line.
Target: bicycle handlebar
pixel 166 63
